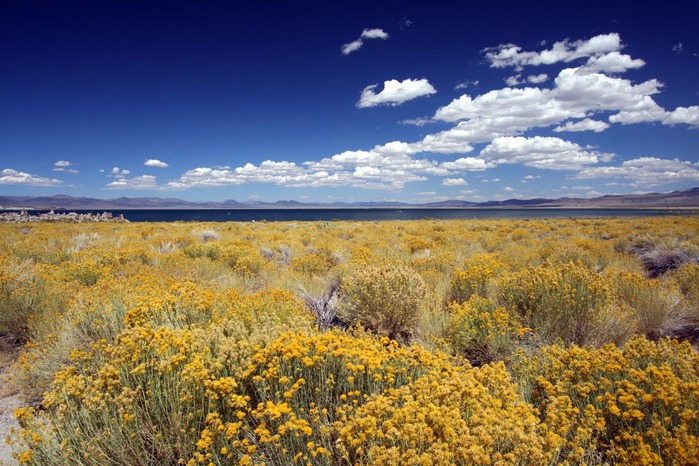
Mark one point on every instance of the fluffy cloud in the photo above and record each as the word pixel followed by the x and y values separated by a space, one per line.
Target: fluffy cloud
pixel 358 43
pixel 389 166
pixel 454 182
pixel 582 125
pixel 511 55
pixel 686 115
pixel 541 152
pixel 510 104
pixel 395 92
pixel 118 173
pixel 155 163
pixel 576 94
pixel 148 182
pixel 646 171
pixel 464 164
pixel 613 62
pixel 62 166
pixel 513 80
pixel 538 78
pixel 374 34
pixel 10 176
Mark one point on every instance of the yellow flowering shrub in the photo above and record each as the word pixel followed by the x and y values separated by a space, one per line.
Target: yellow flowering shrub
pixel 211 250
pixel 636 405
pixel 474 277
pixel 387 300
pixel 152 392
pixel 295 389
pixel 136 402
pixel 456 417
pixel 481 331
pixel 319 262
pixel 565 301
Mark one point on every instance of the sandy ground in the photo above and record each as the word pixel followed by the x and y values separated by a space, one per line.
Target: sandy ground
pixel 9 401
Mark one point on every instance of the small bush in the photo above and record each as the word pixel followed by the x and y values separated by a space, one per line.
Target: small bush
pixel 387 300
pixel 687 278
pixel 659 261
pixel 481 331
pixel 209 235
pixel 210 250
pixel 653 304
pixel 474 277
pixel 564 301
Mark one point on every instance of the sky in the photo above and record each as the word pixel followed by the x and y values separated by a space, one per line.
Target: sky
pixel 321 101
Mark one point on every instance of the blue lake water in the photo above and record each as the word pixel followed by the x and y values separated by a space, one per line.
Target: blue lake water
pixel 370 214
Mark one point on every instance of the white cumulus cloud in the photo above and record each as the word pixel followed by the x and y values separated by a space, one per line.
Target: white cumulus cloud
pixel 511 55
pixel 146 182
pixel 155 163
pixel 454 182
pixel 576 94
pixel 395 92
pixel 586 96
pixel 374 34
pixel 10 176
pixel 541 152
pixel 119 173
pixel 646 171
pixel 613 62
pixel 538 78
pixel 686 115
pixel 583 125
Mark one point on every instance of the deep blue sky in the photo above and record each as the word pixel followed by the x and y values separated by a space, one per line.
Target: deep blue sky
pixel 213 100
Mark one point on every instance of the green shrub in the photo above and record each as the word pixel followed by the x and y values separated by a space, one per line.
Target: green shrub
pixel 565 301
pixel 387 300
pixel 481 331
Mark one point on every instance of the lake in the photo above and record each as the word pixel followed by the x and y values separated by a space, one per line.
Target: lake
pixel 368 214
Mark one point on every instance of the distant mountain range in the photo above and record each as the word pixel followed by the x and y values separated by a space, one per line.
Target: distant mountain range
pixel 676 199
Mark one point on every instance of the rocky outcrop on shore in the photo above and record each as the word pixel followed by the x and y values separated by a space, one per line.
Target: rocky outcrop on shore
pixel 71 217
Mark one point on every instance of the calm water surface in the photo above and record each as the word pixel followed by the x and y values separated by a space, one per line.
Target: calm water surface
pixel 311 215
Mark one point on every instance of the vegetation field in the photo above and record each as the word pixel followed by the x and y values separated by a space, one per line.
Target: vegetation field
pixel 431 342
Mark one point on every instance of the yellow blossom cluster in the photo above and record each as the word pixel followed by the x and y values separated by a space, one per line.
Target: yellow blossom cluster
pixel 636 405
pixel 474 277
pixel 455 417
